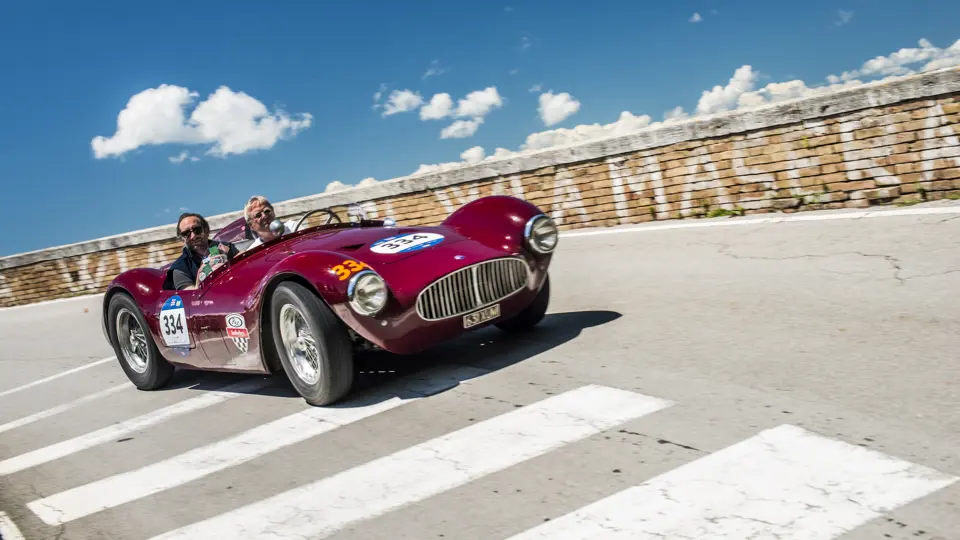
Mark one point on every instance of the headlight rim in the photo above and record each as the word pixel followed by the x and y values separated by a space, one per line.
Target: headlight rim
pixel 352 288
pixel 528 231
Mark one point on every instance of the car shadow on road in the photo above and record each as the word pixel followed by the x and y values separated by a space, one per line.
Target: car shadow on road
pixel 469 356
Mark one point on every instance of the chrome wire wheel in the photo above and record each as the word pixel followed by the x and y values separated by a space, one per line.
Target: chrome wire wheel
pixel 133 342
pixel 299 344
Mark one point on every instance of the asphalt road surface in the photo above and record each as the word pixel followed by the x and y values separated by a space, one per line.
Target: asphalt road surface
pixel 727 378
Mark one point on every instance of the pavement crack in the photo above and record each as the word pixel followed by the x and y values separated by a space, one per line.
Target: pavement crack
pixel 663 441
pixel 893 261
pixel 62 528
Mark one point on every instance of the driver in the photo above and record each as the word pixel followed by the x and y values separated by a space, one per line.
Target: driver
pixel 194 231
pixel 259 215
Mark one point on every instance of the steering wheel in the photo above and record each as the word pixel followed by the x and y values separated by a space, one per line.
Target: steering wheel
pixel 308 214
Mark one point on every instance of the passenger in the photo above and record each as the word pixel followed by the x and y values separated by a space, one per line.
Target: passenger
pixel 259 215
pixel 195 233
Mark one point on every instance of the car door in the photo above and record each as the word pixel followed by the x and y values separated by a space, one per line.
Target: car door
pixel 222 318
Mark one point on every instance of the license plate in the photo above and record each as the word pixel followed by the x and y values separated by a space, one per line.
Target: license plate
pixel 484 315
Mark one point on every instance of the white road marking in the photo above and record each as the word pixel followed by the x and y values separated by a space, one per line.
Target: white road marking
pixel 733 222
pixel 57 376
pixel 424 470
pixel 62 408
pixel 8 529
pixel 785 483
pixel 88 440
pixel 116 490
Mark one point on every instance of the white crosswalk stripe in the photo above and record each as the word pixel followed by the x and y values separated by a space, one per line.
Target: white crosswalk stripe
pixel 59 375
pixel 65 448
pixel 26 420
pixel 786 482
pixel 297 427
pixel 427 469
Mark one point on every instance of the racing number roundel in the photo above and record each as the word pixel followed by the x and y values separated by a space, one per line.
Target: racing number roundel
pixel 406 242
pixel 173 323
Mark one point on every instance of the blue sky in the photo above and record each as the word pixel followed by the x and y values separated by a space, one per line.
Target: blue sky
pixel 70 68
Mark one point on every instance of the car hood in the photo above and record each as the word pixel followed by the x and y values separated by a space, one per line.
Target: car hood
pixel 380 246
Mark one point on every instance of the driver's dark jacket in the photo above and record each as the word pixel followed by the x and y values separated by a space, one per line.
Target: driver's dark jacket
pixel 184 270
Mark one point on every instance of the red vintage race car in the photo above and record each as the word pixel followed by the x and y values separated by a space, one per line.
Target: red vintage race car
pixel 305 302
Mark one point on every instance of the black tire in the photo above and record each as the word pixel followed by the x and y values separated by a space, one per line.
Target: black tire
pixel 335 363
pixel 532 315
pixel 155 372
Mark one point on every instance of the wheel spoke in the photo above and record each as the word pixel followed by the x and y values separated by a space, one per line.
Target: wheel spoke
pixel 299 344
pixel 132 341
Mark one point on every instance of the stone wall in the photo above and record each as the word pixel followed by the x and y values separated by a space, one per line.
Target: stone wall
pixel 894 142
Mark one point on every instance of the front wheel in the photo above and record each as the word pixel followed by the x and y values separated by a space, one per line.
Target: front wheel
pixel 136 351
pixel 532 314
pixel 313 345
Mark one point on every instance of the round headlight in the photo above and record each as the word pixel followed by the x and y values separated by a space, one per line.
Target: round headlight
pixel 367 293
pixel 541 233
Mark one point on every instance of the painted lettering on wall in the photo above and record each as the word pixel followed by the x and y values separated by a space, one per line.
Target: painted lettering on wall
pixel 567 200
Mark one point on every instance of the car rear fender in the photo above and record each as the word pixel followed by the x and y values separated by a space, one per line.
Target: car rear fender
pixel 144 286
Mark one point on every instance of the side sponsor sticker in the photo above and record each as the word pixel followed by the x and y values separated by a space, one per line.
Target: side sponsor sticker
pixel 173 323
pixel 237 331
pixel 405 243
pixel 237 326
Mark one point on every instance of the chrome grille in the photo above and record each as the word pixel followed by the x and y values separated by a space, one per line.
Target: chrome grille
pixel 471 288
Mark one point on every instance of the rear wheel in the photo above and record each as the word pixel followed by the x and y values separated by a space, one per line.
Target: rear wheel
pixel 532 314
pixel 136 351
pixel 313 345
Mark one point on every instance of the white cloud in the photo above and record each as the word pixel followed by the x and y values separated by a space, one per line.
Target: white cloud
pixel 180 158
pixel 472 155
pixel 474 107
pixel 433 70
pixel 843 17
pixel 535 88
pixel 677 113
pixel 555 108
pixel 896 63
pixel 336 185
pixel 402 101
pixel 479 103
pixel 233 122
pixel 627 123
pixel 722 98
pixel 696 18
pixel 461 129
pixel 439 107
pixel 377 96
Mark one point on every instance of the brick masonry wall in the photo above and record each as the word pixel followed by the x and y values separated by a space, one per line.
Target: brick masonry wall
pixel 891 143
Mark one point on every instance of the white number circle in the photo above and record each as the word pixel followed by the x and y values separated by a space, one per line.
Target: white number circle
pixel 406 242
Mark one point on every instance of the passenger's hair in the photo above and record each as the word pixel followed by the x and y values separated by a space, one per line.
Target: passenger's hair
pixel 255 199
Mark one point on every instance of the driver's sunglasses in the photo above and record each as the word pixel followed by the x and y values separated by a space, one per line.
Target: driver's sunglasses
pixel 264 212
pixel 197 230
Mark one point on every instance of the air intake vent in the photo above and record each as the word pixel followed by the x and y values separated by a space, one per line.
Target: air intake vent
pixel 471 288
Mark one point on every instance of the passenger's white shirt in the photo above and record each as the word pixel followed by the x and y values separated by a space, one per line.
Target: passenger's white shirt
pixel 287 229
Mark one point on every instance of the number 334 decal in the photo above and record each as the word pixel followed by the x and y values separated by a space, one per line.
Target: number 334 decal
pixel 348 268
